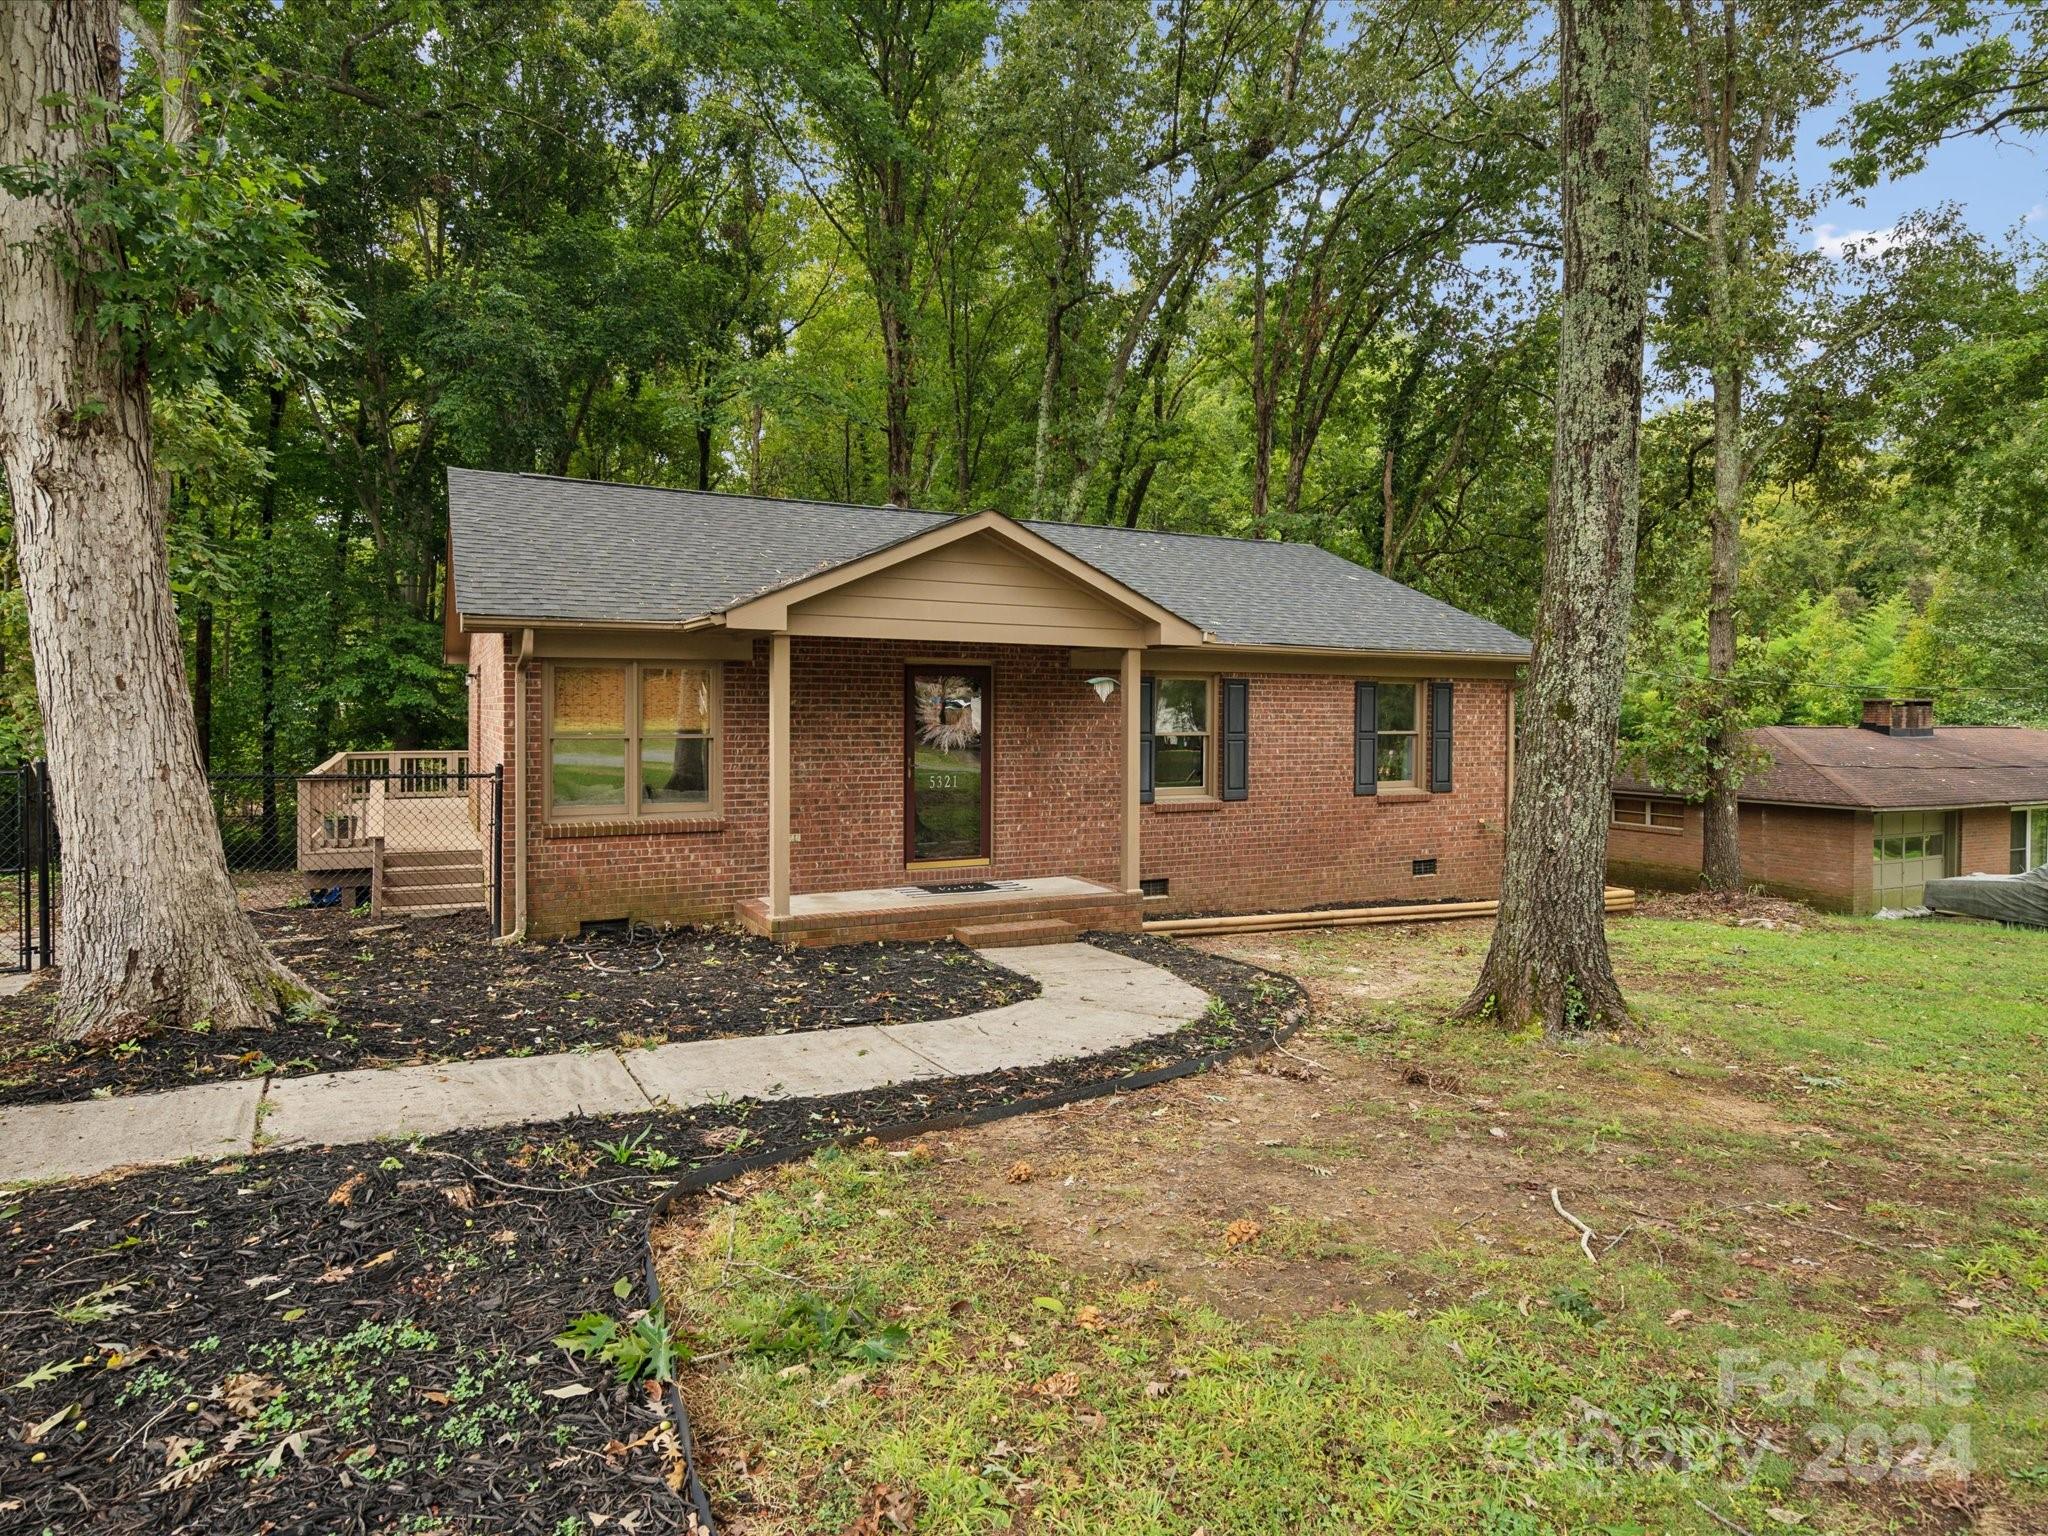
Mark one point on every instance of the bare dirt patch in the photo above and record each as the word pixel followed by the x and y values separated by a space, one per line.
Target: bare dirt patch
pixel 1349 1171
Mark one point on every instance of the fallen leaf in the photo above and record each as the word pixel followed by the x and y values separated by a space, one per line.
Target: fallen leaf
pixel 1682 1315
pixel 573 1389
pixel 245 1392
pixel 295 1442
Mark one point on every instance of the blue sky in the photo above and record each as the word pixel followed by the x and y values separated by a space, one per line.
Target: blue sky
pixel 1998 186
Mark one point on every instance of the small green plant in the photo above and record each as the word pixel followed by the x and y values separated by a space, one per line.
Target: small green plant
pixel 637 1350
pixel 624 1150
pixel 96 1306
pixel 813 1325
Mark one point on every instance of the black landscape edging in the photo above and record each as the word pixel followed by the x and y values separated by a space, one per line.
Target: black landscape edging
pixel 708 1175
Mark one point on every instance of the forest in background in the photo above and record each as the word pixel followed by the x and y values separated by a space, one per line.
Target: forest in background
pixel 1270 270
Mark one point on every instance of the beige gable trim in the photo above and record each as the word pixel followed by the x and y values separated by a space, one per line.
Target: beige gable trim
pixel 1016 602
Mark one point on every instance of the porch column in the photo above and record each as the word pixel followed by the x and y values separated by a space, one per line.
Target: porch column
pixel 778 775
pixel 1130 684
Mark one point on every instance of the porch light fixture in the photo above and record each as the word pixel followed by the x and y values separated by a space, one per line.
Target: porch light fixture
pixel 1104 686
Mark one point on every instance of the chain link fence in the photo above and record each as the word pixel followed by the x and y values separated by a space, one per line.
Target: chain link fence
pixel 399 834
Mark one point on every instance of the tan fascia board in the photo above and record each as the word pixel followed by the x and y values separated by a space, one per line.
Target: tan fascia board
pixel 621 638
pixel 769 612
pixel 1313 660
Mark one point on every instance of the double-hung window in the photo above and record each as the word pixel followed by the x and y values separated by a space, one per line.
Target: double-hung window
pixel 1180 736
pixel 1396 719
pixel 632 739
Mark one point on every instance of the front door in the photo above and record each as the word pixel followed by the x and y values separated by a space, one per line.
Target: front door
pixel 946 768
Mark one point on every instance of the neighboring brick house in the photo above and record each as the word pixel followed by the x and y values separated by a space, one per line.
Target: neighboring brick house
pixel 1856 818
pixel 834 722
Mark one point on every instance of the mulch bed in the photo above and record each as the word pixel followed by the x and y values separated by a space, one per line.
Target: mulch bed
pixel 437 989
pixel 361 1339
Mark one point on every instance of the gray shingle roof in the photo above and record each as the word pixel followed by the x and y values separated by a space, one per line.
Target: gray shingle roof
pixel 537 549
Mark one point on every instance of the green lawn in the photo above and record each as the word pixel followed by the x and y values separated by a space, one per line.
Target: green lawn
pixel 1336 1298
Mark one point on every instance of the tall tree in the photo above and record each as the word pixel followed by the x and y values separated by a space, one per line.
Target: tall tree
pixel 1549 960
pixel 1739 78
pixel 875 79
pixel 152 927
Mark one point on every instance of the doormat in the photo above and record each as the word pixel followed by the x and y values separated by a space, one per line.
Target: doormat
pixel 959 887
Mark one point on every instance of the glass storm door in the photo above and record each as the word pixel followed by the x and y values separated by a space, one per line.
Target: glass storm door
pixel 946 746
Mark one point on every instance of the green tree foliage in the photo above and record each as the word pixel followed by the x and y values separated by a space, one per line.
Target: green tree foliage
pixel 1283 270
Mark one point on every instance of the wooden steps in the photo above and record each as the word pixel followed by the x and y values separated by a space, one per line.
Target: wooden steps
pixel 1016 933
pixel 429 882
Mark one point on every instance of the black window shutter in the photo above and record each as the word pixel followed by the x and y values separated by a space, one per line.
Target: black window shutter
pixel 1439 737
pixel 1365 741
pixel 1145 694
pixel 1237 719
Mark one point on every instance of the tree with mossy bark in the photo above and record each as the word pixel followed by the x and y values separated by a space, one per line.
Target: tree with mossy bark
pixel 129 255
pixel 1549 961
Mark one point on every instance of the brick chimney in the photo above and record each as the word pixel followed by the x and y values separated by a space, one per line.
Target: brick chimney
pixel 1899 717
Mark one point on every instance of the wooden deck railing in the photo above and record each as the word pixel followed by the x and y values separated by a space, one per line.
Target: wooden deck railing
pixel 342 801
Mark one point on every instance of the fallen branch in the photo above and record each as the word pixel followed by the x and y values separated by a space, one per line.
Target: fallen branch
pixel 1722 1520
pixel 1586 1233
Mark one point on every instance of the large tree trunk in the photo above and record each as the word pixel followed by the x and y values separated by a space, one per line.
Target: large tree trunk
pixel 1721 852
pixel 1549 958
pixel 151 927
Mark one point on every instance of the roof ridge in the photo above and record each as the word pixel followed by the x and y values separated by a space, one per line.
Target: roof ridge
pixel 691 490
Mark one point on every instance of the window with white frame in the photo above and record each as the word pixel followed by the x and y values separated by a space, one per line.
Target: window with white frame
pixel 632 739
pixel 1180 735
pixel 2029 837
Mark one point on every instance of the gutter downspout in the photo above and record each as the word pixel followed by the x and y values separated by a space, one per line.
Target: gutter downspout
pixel 518 932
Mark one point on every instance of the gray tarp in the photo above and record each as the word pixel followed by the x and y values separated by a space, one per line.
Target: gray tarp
pixel 2008 898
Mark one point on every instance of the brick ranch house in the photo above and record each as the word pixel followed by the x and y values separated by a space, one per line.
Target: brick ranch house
pixel 1856 818
pixel 837 722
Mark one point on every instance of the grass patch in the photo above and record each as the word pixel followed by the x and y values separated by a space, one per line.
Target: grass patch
pixel 1327 1292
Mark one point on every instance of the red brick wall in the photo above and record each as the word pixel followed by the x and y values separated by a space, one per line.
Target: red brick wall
pixel 1656 858
pixel 675 872
pixel 1058 776
pixel 1301 838
pixel 1987 841
pixel 1057 762
pixel 1812 855
pixel 1818 856
pixel 487 700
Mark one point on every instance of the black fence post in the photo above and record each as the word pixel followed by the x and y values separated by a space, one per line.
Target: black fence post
pixel 46 841
pixel 498 850
pixel 18 870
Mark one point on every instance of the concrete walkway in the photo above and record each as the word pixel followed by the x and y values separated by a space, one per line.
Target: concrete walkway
pixel 1092 1000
